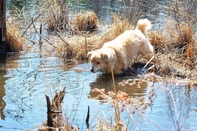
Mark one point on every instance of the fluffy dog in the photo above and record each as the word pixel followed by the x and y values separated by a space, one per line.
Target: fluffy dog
pixel 118 54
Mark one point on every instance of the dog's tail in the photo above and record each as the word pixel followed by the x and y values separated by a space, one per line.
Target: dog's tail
pixel 143 25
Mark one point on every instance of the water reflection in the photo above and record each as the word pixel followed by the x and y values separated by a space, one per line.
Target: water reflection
pixel 105 82
pixel 153 10
pixel 101 8
pixel 20 4
pixel 174 107
pixel 29 77
pixel 2 82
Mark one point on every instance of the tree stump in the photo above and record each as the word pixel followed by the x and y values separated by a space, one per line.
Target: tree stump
pixel 55 120
pixel 54 110
pixel 3 43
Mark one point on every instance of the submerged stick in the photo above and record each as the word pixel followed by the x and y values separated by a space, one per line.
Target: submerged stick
pixel 40 40
pixel 87 118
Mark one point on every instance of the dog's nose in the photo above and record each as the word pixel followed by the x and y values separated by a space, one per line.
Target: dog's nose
pixel 92 70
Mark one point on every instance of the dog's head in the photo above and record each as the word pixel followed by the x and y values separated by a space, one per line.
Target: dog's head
pixel 99 60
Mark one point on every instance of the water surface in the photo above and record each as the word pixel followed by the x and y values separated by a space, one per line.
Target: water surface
pixel 26 78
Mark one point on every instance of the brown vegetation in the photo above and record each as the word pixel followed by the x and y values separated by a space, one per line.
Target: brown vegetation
pixel 57 16
pixel 86 42
pixel 85 21
pixel 174 43
pixel 14 40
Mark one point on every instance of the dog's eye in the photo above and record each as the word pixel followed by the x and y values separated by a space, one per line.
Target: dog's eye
pixel 98 63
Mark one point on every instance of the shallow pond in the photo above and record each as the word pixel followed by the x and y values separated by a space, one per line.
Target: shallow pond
pixel 26 78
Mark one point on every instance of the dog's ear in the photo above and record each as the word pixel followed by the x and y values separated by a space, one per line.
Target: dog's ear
pixel 89 54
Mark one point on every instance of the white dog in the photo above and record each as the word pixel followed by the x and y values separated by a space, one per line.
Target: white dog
pixel 118 54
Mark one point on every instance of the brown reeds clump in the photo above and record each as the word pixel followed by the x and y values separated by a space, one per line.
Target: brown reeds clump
pixel 175 47
pixel 83 44
pixel 85 21
pixel 173 36
pixel 14 40
pixel 157 40
pixel 58 17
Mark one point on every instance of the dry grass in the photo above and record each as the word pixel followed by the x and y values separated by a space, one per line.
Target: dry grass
pixel 173 36
pixel 85 21
pixel 84 43
pixel 135 107
pixel 175 43
pixel 14 40
pixel 57 16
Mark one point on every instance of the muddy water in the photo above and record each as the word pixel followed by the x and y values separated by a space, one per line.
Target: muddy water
pixel 26 78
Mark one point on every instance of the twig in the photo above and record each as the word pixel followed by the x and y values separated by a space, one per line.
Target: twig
pixel 117 111
pixel 41 35
pixel 149 61
pixel 30 40
pixel 78 102
pixel 153 123
pixel 185 118
pixel 30 24
pixel 175 122
pixel 149 68
pixel 135 122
